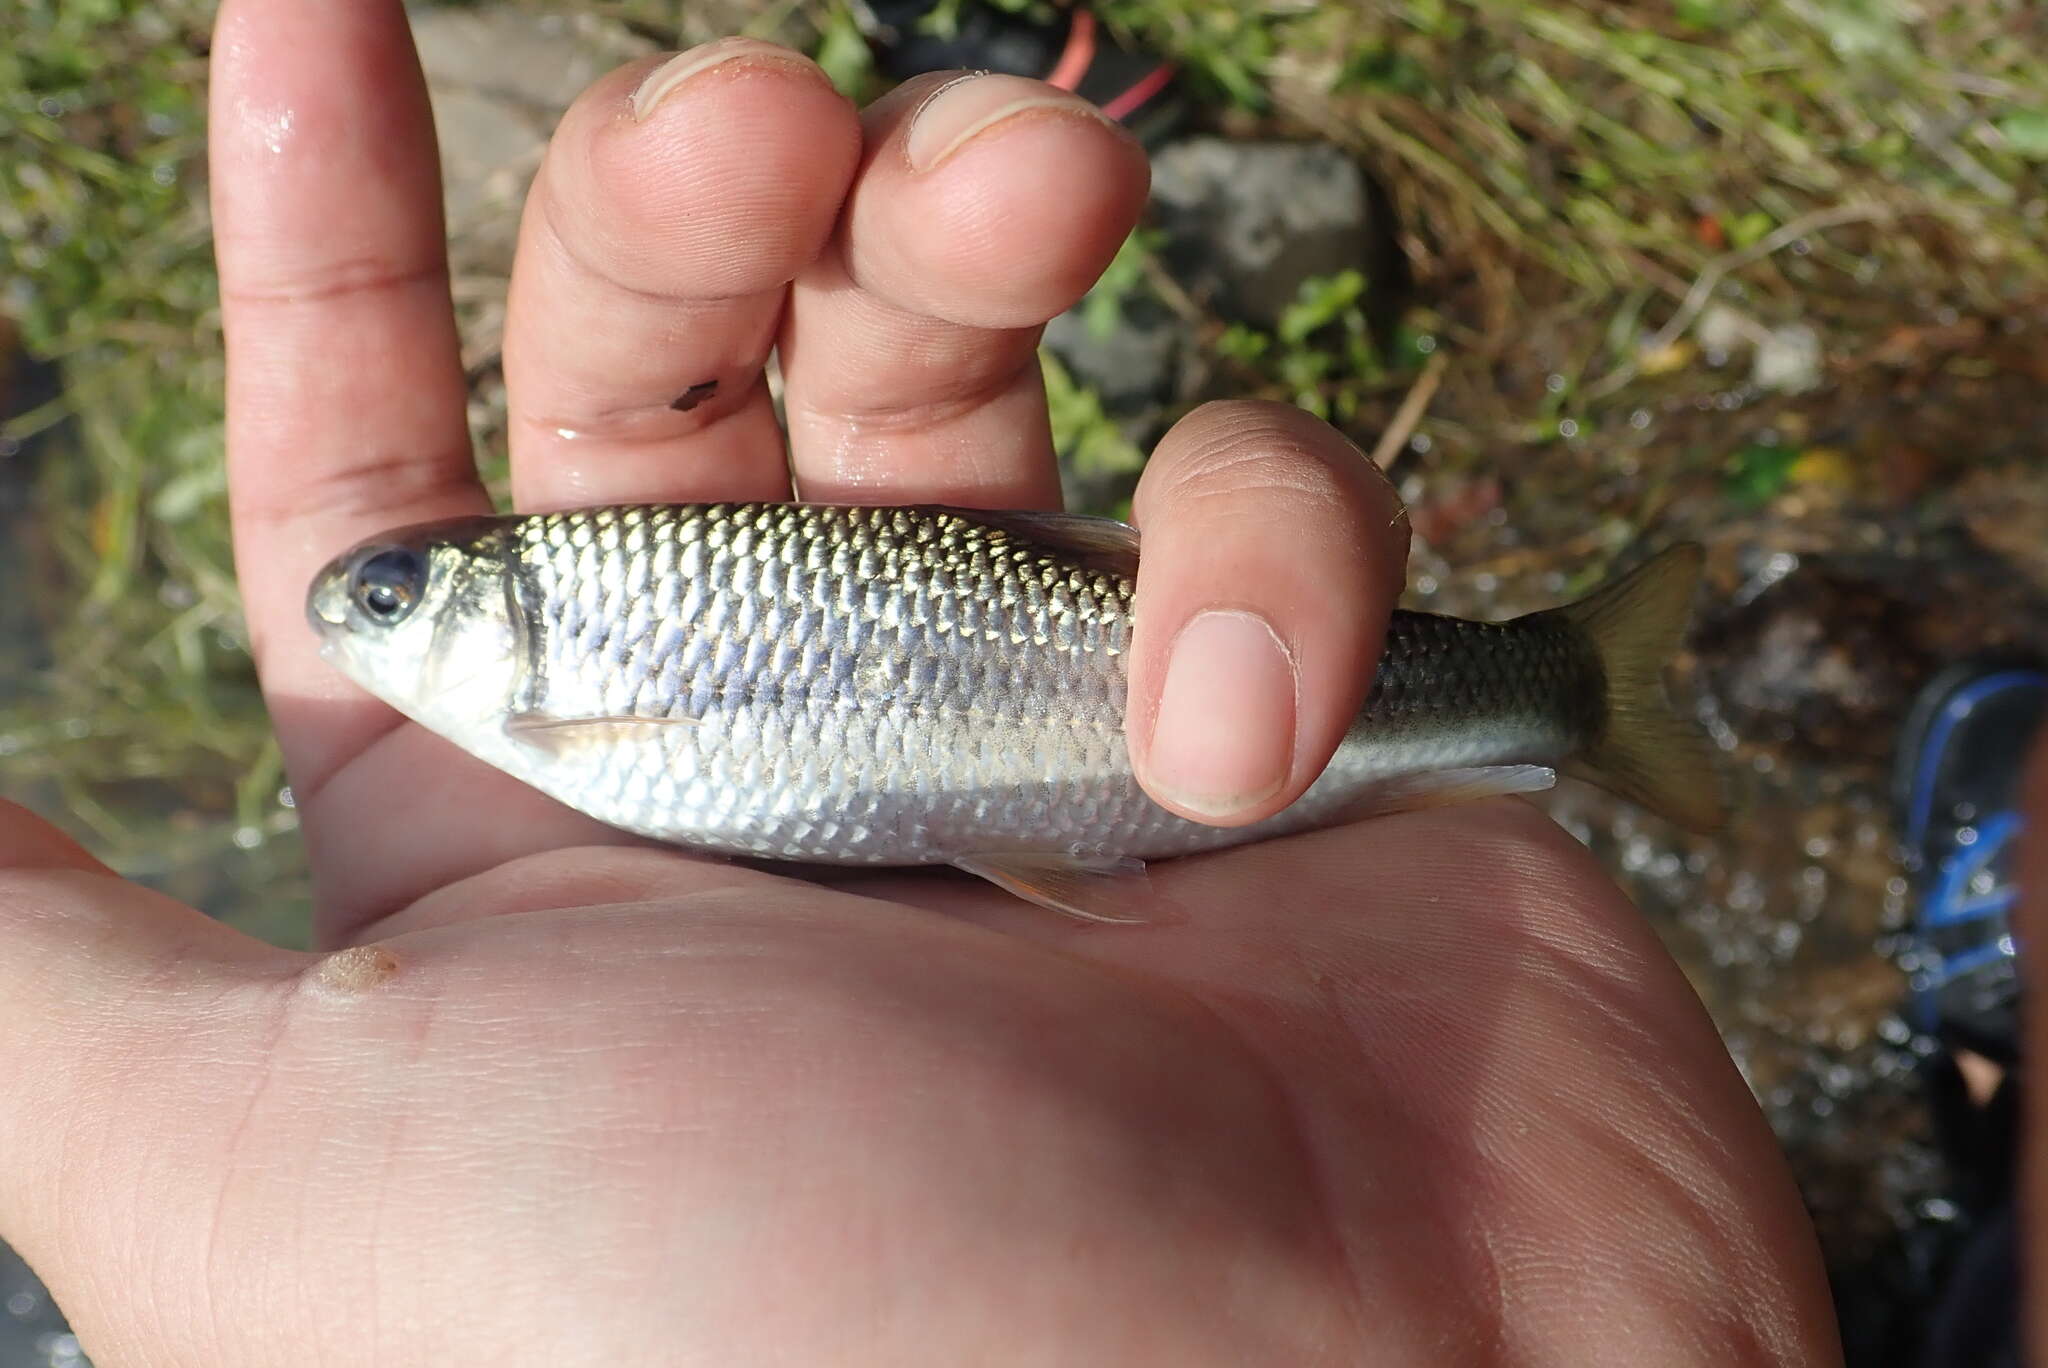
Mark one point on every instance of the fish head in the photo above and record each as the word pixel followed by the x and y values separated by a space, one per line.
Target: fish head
pixel 426 619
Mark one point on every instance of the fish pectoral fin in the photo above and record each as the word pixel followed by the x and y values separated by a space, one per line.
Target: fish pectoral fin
pixel 1440 788
pixel 556 735
pixel 1097 888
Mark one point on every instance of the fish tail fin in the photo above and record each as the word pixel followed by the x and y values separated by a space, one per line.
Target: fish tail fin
pixel 1646 751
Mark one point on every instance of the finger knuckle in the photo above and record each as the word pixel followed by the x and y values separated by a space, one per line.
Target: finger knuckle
pixel 1262 467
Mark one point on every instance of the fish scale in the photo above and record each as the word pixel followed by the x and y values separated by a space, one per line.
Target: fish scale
pixel 872 685
pixel 959 682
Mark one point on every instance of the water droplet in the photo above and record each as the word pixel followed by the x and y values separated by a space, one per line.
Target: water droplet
pixel 1639 420
pixel 1425 344
pixel 285 799
pixel 1568 427
pixel 248 837
pixel 1420 444
pixel 21 1304
pixel 50 107
pixel 163 173
pixel 1554 383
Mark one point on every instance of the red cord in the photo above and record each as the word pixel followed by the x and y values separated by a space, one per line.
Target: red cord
pixel 1078 55
pixel 1141 90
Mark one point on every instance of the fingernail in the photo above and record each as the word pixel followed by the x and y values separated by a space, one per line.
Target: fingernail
pixel 1223 740
pixel 665 79
pixel 969 105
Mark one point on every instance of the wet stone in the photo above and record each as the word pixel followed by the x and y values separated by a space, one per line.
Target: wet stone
pixel 500 79
pixel 1248 222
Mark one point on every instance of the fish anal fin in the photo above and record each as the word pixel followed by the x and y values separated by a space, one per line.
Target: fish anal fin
pixel 1096 888
pixel 1102 544
pixel 558 735
pixel 1646 751
pixel 1441 788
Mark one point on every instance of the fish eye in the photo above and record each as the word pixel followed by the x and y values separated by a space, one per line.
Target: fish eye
pixel 388 584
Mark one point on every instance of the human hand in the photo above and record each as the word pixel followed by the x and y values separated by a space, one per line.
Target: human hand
pixel 1421 1090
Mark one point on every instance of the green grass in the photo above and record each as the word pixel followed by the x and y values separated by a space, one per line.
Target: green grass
pixel 1569 180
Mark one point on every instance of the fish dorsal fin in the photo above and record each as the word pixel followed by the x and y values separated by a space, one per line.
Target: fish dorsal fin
pixel 1441 788
pixel 1097 888
pixel 561 735
pixel 1102 544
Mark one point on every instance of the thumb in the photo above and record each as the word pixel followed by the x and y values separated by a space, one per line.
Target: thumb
pixel 115 1005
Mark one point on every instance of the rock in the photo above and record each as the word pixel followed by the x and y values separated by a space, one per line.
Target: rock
pixel 539 61
pixel 1820 666
pixel 500 79
pixel 1788 360
pixel 1137 363
pixel 1248 222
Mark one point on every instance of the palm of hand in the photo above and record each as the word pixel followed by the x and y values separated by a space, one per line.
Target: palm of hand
pixel 662 1110
pixel 1419 1091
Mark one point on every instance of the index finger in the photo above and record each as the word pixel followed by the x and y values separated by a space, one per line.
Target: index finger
pixel 345 387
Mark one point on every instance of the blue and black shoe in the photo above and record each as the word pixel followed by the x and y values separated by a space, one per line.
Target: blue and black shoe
pixel 1957 785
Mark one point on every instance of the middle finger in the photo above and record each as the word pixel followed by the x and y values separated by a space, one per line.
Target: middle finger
pixel 676 202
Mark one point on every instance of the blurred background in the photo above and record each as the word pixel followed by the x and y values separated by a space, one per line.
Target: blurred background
pixel 1584 277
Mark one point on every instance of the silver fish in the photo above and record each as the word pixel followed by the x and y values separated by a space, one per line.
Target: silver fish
pixel 924 685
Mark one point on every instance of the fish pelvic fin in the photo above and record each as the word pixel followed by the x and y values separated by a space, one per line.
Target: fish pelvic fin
pixel 1646 751
pixel 1095 888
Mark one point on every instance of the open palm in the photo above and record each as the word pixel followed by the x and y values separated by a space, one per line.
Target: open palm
pixel 1423 1090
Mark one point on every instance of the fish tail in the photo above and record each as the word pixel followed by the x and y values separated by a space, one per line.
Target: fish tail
pixel 1645 751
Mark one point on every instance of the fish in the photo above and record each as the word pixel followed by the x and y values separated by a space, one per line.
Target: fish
pixel 927 685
